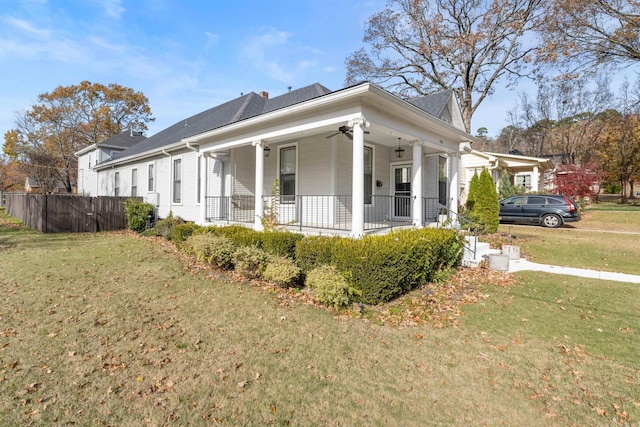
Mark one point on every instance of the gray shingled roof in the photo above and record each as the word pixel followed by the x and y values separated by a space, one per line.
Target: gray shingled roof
pixel 242 108
pixel 124 139
pixel 434 103
pixel 252 105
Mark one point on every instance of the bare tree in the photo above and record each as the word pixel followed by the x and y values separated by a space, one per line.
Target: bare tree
pixel 417 47
pixel 585 33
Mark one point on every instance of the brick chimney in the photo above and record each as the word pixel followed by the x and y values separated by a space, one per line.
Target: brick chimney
pixel 264 94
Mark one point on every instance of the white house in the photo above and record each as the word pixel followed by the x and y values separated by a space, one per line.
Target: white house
pixel 355 160
pixel 526 171
pixel 102 152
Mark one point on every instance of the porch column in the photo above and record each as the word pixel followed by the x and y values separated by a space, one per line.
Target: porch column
pixel 202 159
pixel 535 179
pixel 416 183
pixel 259 205
pixel 357 180
pixel 454 185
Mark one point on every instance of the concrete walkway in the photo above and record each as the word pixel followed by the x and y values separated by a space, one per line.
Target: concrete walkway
pixel 522 264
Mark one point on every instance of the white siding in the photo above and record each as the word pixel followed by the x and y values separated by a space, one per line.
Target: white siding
pixel 243 169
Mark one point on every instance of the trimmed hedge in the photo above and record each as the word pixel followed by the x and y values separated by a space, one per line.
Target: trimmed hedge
pixel 384 267
pixel 215 250
pixel 314 251
pixel 376 268
pixel 281 243
pixel 181 232
pixel 241 236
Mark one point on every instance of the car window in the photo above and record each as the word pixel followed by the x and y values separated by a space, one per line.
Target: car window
pixel 535 200
pixel 514 201
pixel 554 201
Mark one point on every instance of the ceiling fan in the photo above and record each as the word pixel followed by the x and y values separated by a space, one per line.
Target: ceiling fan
pixel 345 130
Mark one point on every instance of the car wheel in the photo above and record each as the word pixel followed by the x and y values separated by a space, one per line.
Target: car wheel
pixel 551 221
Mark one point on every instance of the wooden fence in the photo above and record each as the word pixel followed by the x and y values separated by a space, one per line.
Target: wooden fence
pixel 57 213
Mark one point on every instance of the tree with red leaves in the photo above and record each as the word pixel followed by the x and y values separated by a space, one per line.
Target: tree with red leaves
pixel 579 181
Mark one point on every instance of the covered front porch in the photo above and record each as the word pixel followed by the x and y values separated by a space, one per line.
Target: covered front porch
pixel 357 167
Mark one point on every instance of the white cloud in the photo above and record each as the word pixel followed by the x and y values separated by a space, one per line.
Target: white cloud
pixel 100 42
pixel 211 38
pixel 25 27
pixel 273 53
pixel 112 8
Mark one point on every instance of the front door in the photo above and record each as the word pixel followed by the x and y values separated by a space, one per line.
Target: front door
pixel 402 191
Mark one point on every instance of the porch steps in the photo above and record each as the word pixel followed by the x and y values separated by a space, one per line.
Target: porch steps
pixel 482 252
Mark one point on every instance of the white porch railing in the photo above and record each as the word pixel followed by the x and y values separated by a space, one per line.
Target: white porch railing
pixel 327 212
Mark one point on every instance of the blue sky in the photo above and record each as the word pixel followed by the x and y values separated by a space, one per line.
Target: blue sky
pixel 186 56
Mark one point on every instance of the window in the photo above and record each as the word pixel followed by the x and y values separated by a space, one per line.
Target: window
pixel 519 200
pixel 368 175
pixel 199 181
pixel 177 181
pixel 116 184
pixel 89 161
pixel 134 182
pixel 536 200
pixel 524 180
pixel 287 174
pixel 150 178
pixel 442 181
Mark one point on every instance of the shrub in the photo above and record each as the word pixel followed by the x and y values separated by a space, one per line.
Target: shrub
pixel 314 251
pixel 181 232
pixel 138 213
pixel 215 250
pixel 282 271
pixel 164 227
pixel 250 261
pixel 240 235
pixel 222 251
pixel 281 243
pixel 329 287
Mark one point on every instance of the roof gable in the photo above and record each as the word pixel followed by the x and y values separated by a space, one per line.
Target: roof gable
pixel 442 105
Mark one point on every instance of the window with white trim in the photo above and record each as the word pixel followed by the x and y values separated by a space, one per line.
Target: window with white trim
pixel 443 181
pixel 134 182
pixel 199 181
pixel 368 175
pixel 523 180
pixel 288 160
pixel 116 184
pixel 177 181
pixel 150 177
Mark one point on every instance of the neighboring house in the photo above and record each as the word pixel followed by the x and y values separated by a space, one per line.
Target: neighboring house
pixel 528 172
pixel 102 152
pixel 31 185
pixel 356 160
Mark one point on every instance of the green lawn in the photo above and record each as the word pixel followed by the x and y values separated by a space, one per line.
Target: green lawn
pixel 602 240
pixel 112 329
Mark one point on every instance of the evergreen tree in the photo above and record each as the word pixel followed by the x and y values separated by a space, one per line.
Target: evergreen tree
pixel 507 189
pixel 473 189
pixel 482 203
